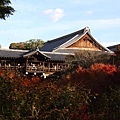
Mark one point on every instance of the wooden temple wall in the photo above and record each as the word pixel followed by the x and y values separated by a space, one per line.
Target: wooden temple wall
pixel 85 43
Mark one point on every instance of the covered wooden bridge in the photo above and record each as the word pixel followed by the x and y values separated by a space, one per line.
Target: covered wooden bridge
pixel 45 62
pixel 33 62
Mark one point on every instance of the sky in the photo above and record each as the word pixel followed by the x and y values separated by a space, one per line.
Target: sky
pixel 50 19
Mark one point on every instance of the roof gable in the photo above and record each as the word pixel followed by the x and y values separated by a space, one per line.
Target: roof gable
pixel 83 41
pixel 86 42
pixel 35 52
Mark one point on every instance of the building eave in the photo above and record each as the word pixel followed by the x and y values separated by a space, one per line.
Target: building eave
pixel 96 41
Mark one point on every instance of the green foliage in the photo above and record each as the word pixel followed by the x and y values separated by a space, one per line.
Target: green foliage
pixel 34 43
pixel 28 45
pixel 5 9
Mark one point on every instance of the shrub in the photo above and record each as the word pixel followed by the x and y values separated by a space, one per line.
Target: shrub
pixel 87 94
pixel 97 78
pixel 107 107
pixel 42 100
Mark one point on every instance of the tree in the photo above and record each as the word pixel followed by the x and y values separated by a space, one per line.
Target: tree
pixel 87 58
pixel 117 55
pixel 34 43
pixel 5 9
pixel 28 45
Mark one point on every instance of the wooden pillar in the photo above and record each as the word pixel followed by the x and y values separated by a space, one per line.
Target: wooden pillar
pixel 43 66
pixel 48 66
pixel 26 63
pixel 57 67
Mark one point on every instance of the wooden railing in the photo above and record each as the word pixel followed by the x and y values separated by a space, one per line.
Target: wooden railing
pixel 34 69
pixel 37 69
pixel 41 69
pixel 45 69
pixel 11 67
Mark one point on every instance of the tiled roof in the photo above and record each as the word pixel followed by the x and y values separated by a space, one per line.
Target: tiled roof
pixel 53 44
pixel 67 40
pixel 9 53
pixel 113 48
pixel 57 56
pixel 55 49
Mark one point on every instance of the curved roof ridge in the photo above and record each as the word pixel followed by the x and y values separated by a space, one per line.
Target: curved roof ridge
pixel 55 43
pixel 76 32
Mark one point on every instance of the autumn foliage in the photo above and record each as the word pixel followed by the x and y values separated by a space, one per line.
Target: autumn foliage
pixel 97 78
pixel 84 94
pixel 42 100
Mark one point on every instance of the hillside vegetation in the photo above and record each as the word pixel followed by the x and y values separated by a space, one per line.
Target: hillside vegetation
pixel 83 94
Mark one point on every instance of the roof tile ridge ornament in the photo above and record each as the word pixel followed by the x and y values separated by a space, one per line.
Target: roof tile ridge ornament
pixel 86 29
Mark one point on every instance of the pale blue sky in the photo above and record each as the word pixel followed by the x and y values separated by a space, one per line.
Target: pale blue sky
pixel 49 19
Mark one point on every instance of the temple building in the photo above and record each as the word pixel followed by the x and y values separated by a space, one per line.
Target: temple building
pixel 53 55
